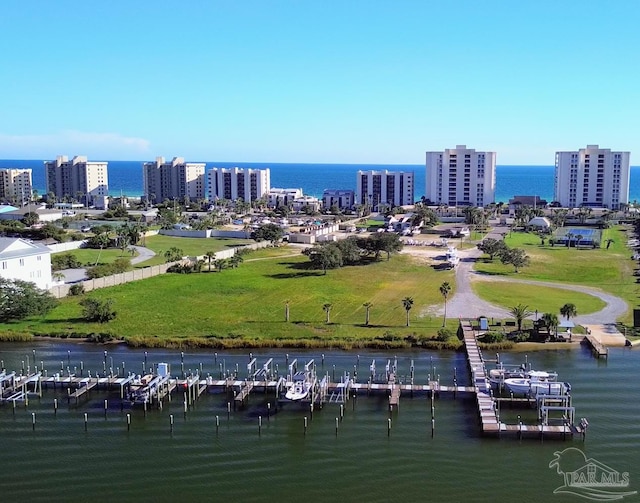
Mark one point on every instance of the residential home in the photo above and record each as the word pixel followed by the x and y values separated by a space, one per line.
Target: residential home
pixel 26 261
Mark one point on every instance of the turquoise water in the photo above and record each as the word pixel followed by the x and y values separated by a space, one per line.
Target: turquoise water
pixel 60 461
pixel 126 177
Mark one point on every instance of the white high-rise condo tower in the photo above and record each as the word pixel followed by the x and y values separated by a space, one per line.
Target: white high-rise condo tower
pixel 78 179
pixel 461 176
pixel 592 176
pixel 238 183
pixel 16 186
pixel 389 188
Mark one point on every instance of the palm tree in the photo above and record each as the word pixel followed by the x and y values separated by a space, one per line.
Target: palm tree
pixel 569 236
pixel 221 264
pixel 210 255
pixel 367 306
pixel 609 241
pixel 235 261
pixel 58 277
pixel 578 239
pixel 407 302
pixel 327 309
pixel 568 311
pixel 445 289
pixel 550 321
pixel 286 310
pixel 520 312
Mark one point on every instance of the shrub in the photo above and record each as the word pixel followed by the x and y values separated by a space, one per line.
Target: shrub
pixel 492 337
pixel 97 310
pixel 76 289
pixel 444 334
pixel 64 261
pixel 118 266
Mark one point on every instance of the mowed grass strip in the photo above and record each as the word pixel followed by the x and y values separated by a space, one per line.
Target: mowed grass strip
pixel 609 269
pixel 249 301
pixel 192 246
pixel 542 298
pixel 89 257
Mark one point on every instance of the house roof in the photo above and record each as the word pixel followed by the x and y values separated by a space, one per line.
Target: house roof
pixel 6 208
pixel 16 247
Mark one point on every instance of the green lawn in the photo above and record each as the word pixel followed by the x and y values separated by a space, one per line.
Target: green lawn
pixel 192 246
pixel 611 270
pixel 249 302
pixel 544 299
pixel 89 256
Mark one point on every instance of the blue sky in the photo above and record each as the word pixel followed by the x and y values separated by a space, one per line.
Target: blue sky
pixel 317 81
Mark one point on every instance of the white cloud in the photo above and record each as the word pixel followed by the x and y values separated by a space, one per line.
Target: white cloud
pixel 97 146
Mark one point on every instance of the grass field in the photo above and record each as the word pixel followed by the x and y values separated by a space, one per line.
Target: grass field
pixel 192 246
pixel 544 299
pixel 609 269
pixel 249 302
pixel 88 257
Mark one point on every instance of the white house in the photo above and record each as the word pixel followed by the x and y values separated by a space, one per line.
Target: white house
pixel 20 259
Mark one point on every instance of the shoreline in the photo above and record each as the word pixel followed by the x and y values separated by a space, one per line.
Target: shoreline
pixel 326 344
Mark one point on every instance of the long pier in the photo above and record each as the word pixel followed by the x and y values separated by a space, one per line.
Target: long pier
pixel 488 405
pixel 556 415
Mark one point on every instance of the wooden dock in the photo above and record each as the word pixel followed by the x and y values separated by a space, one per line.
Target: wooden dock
pixel 488 405
pixel 86 385
pixel 598 349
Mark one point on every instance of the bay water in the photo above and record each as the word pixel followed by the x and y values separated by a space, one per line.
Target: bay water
pixel 60 461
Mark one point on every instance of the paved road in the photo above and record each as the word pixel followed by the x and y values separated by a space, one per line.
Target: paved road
pixel 466 304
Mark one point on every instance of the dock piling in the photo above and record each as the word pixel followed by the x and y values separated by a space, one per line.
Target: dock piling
pixel 128 422
pixel 337 426
pixel 86 421
pixel 106 406
pixel 388 427
pixel 33 421
pixel 305 425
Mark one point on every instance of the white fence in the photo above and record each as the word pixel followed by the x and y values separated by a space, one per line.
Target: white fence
pixel 63 247
pixel 147 272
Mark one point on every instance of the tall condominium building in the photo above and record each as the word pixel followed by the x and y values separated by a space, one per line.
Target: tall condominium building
pixel 173 180
pixel 461 176
pixel 77 179
pixel 15 186
pixel 238 183
pixel 393 188
pixel 592 176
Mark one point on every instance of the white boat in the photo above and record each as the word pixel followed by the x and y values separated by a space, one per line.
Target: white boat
pixel 537 382
pixel 299 388
pixel 499 374
pixel 452 256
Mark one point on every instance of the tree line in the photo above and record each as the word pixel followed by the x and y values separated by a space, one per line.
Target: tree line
pixel 352 251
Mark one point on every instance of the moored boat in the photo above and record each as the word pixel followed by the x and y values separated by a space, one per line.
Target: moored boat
pixel 537 382
pixel 299 387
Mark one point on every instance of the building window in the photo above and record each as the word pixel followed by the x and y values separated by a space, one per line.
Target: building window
pixel 21 261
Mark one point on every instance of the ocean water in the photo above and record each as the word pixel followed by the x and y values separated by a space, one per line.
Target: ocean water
pixel 60 460
pixel 125 177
